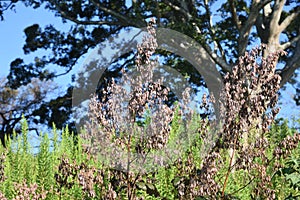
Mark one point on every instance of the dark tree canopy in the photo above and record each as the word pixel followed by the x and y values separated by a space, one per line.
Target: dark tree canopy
pixel 225 33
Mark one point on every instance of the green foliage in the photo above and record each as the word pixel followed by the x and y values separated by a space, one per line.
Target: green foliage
pixel 21 164
pixel 90 23
pixel 165 178
pixel 44 167
pixel 286 180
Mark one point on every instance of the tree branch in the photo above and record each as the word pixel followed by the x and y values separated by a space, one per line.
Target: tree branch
pixel 77 21
pixel 276 13
pixel 217 45
pixel 7 6
pixel 177 8
pixel 244 31
pixel 250 22
pixel 63 14
pixel 291 65
pixel 267 10
pixel 289 43
pixel 286 22
pixel 260 22
pixel 234 15
pixel 120 17
pixel 217 59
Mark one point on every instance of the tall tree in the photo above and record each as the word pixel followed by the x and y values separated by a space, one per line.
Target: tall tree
pixel 16 104
pixel 225 33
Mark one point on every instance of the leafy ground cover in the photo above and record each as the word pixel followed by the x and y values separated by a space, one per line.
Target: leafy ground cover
pixel 64 170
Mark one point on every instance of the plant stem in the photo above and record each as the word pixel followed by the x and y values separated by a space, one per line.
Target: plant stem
pixel 128 168
pixel 229 169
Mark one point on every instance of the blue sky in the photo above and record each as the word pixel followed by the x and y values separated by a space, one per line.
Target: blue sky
pixel 12 39
pixel 12 36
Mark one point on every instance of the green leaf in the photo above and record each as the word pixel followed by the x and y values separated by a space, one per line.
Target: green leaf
pixel 294 178
pixel 141 185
